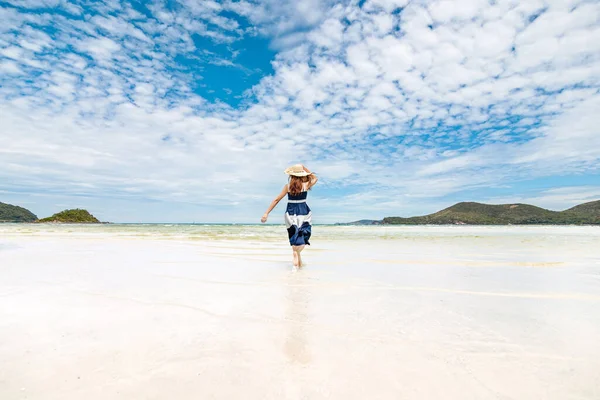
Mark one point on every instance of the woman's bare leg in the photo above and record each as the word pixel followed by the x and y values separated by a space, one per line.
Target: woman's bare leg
pixel 297 258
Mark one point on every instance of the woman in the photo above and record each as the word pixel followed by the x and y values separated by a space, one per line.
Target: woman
pixel 297 215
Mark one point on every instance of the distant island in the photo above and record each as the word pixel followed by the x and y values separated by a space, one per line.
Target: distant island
pixel 74 216
pixel 11 213
pixel 362 222
pixel 471 213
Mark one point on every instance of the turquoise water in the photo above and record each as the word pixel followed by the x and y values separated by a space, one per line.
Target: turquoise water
pixel 276 233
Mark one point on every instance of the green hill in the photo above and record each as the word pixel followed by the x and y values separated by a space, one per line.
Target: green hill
pixel 504 214
pixel 10 213
pixel 72 216
pixel 591 209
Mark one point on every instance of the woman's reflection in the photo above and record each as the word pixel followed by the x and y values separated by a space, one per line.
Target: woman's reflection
pixel 296 317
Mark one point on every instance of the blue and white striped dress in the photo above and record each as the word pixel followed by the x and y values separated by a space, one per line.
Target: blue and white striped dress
pixel 298 219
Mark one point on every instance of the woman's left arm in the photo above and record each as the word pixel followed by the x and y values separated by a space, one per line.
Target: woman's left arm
pixel 313 178
pixel 274 203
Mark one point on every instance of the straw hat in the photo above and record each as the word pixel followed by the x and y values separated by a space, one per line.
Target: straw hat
pixel 296 170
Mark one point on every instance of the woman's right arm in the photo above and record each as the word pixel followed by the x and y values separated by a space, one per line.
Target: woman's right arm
pixel 274 203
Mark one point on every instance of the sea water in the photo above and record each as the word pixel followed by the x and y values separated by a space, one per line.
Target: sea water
pixel 275 232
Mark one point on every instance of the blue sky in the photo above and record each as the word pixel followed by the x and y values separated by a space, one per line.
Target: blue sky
pixel 189 111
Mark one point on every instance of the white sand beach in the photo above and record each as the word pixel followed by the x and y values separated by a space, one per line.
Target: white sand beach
pixel 191 312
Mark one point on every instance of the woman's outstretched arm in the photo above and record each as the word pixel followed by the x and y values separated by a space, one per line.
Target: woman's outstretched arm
pixel 274 203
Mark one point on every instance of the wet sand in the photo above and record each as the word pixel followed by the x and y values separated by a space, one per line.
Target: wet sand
pixel 438 313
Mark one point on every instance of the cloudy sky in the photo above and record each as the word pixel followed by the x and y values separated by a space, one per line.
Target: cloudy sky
pixel 190 110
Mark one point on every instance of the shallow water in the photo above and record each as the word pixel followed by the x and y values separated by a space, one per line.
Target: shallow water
pixel 188 311
pixel 273 232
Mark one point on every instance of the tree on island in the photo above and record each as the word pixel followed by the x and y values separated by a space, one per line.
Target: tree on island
pixel 76 215
pixel 10 213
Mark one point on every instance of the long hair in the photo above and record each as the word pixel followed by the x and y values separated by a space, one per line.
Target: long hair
pixel 296 183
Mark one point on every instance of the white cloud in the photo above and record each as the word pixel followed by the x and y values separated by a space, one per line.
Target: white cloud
pixel 287 21
pixel 10 67
pixel 409 106
pixel 387 5
pixel 573 137
pixel 101 49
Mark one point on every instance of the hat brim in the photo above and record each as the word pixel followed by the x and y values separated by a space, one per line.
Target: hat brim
pixel 299 173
